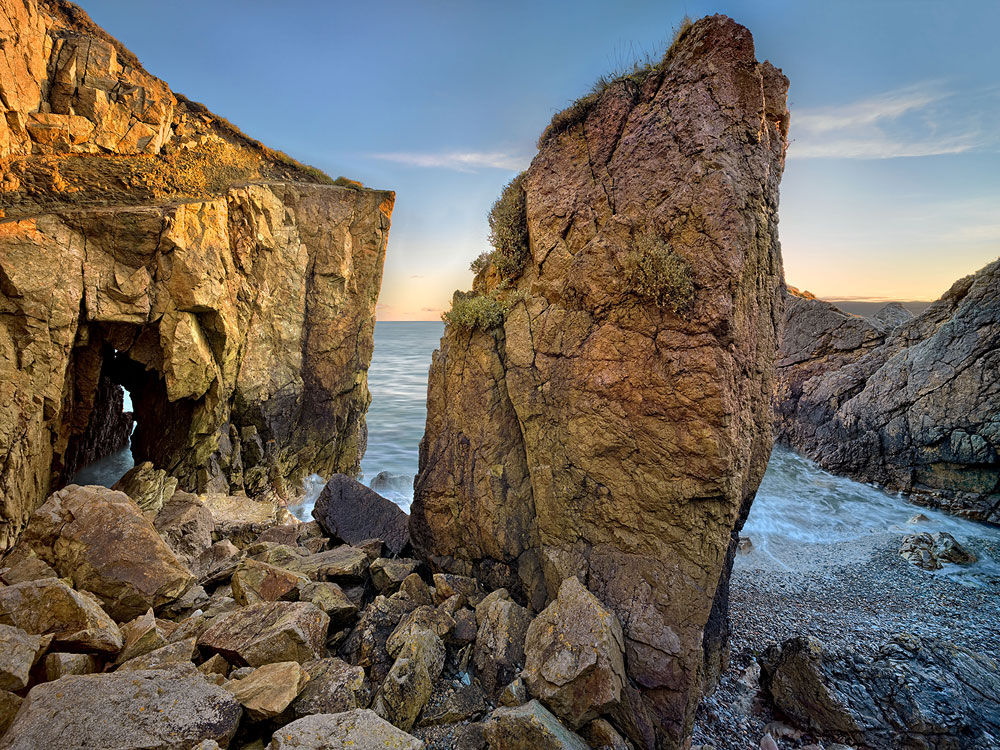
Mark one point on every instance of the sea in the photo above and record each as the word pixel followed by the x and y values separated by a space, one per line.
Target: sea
pixel 798 504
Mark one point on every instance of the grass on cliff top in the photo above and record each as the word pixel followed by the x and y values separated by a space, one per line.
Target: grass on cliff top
pixel 630 77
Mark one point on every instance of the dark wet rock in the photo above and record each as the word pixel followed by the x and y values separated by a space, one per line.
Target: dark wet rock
pixel 351 512
pixel 931 551
pixel 913 692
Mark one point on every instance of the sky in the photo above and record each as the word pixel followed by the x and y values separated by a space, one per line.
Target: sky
pixel 891 189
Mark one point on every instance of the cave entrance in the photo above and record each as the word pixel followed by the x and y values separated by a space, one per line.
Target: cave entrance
pixel 116 411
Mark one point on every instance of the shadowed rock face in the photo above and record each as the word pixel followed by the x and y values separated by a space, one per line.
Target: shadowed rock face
pixel 914 407
pixel 148 243
pixel 597 432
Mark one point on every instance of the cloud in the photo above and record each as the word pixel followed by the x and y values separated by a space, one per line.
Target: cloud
pixel 459 161
pixel 912 121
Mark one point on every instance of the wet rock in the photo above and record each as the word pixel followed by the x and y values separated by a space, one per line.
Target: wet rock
pixel 360 729
pixel 915 413
pixel 255 582
pixel 934 693
pixel 153 710
pixel 334 686
pixel 61 664
pixel 269 689
pixel 930 551
pixel 529 727
pixel 499 650
pixel 50 607
pixel 148 486
pixel 614 420
pixel 99 539
pixel 186 525
pixel 410 682
pixel 388 575
pixel 268 632
pixel 349 511
pixel 574 656
pixel 180 652
pixel 18 653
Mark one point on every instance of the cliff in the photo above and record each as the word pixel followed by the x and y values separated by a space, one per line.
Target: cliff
pixel 600 404
pixel 911 405
pixel 149 243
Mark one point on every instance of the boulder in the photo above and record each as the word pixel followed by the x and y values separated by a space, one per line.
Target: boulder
pixel 186 525
pixel 10 704
pixel 180 652
pixel 100 540
pixel 153 710
pixel 447 586
pixel 931 551
pixel 454 703
pixel 912 411
pixel 18 653
pixel 50 607
pixel 933 693
pixel 148 486
pixel 575 656
pixel 351 512
pixel 255 582
pixel 411 679
pixel 269 689
pixel 424 617
pixel 359 729
pixel 388 575
pixel 366 645
pixel 334 686
pixel 343 563
pixel 142 635
pixel 529 727
pixel 499 650
pixel 22 564
pixel 61 664
pixel 600 404
pixel 330 598
pixel 268 632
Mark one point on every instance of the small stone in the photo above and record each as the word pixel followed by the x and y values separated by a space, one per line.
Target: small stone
pixel 330 598
pixel 499 647
pixel 270 689
pixel 453 705
pixel 10 704
pixel 18 653
pixel 215 664
pixel 465 627
pixel 422 618
pixel 140 636
pixel 415 588
pixel 447 585
pixel 411 679
pixel 600 734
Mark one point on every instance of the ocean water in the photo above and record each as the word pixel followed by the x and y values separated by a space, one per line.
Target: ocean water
pixel 798 503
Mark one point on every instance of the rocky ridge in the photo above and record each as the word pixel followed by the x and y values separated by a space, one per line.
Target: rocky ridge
pixel 911 404
pixel 600 404
pixel 147 243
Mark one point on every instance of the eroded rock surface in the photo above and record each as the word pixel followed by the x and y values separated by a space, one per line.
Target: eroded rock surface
pixel 913 406
pixel 614 427
pixel 147 243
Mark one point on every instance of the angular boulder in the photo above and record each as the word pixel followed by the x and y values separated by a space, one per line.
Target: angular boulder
pixel 933 693
pixel 100 540
pixel 50 607
pixel 411 679
pixel 268 632
pixel 351 512
pixel 610 418
pixel 931 551
pixel 269 689
pixel 61 664
pixel 180 652
pixel 359 729
pixel 148 486
pixel 186 525
pixel 575 656
pixel 255 582
pixel 153 710
pixel 916 413
pixel 18 653
pixel 529 727
pixel 334 686
pixel 499 650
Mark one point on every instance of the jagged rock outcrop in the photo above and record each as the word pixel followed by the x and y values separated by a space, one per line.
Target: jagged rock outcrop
pixel 911 693
pixel 148 242
pixel 914 407
pixel 616 423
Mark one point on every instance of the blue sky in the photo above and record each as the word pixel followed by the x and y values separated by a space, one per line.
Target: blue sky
pixel 892 186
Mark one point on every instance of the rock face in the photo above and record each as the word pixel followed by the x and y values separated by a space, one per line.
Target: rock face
pixel 913 408
pixel 349 511
pixel 913 693
pixel 616 424
pixel 147 243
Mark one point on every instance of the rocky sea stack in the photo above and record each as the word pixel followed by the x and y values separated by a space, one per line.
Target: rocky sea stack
pixel 911 404
pixel 600 405
pixel 147 243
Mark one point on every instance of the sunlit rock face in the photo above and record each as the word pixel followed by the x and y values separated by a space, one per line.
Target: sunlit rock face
pixel 599 431
pixel 913 406
pixel 147 241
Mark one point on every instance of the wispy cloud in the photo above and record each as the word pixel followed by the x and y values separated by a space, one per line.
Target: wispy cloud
pixel 459 161
pixel 918 120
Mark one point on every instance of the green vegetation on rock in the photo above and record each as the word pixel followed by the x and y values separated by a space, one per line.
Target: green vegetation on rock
pixel 654 271
pixel 508 221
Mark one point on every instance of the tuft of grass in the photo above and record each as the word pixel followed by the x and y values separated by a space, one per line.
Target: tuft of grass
pixel 471 310
pixel 481 263
pixel 508 220
pixel 655 272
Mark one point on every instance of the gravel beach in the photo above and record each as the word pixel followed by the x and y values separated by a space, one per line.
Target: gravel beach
pixel 848 593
